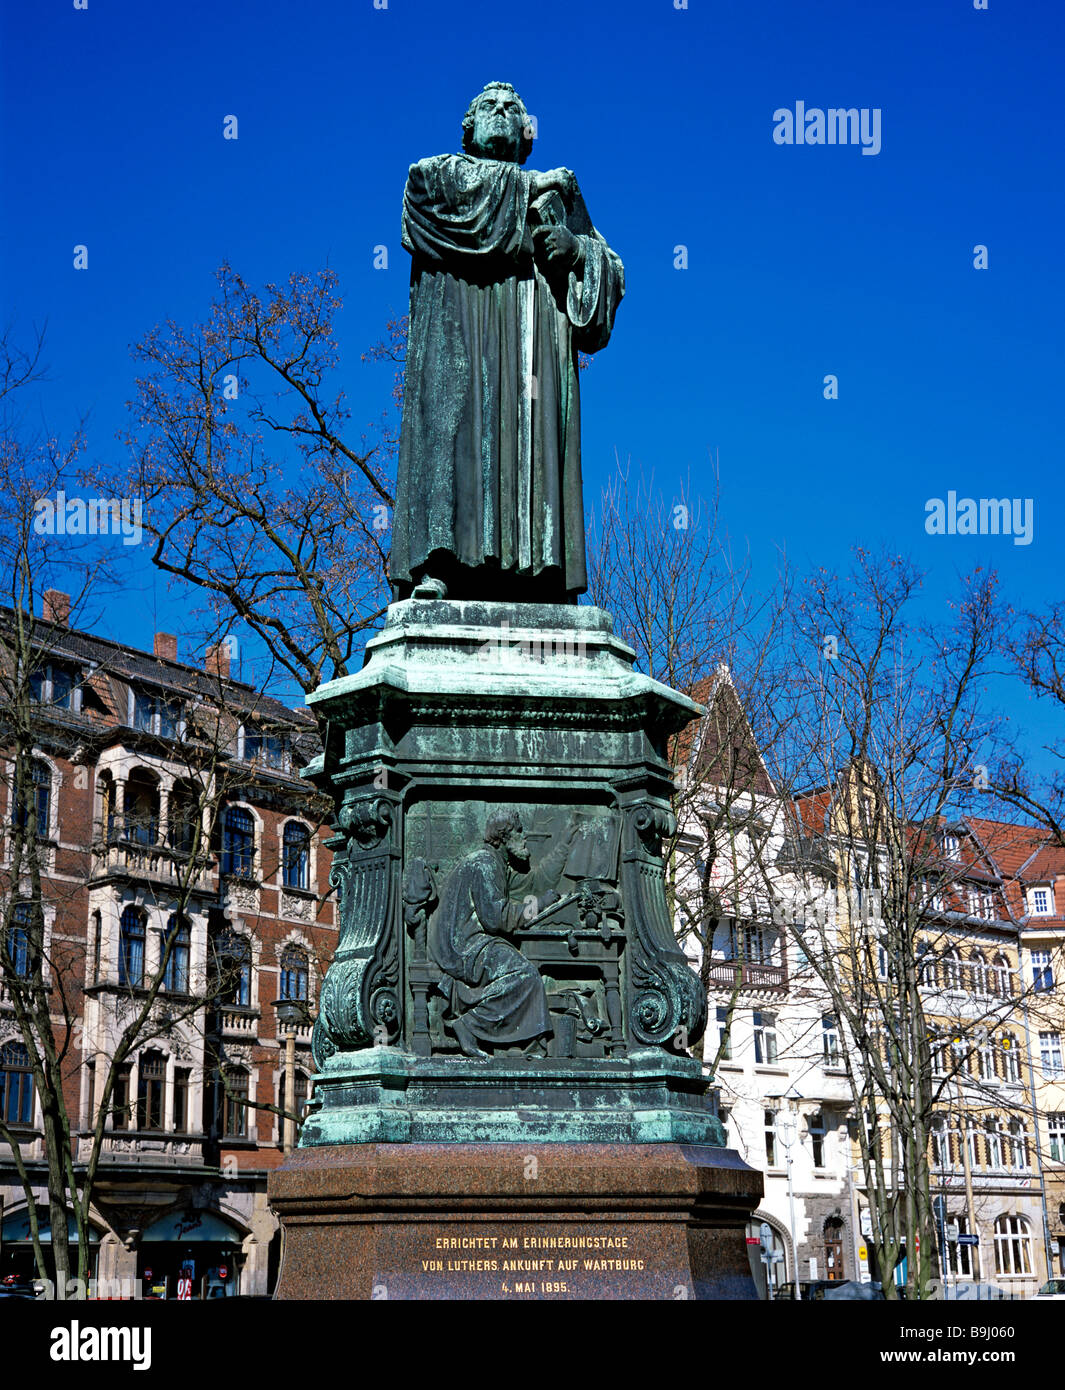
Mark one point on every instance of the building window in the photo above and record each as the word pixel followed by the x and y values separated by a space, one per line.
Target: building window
pixel 1000 977
pixel 830 1040
pixel 120 1107
pixel 18 939
pixel 993 1142
pixel 1013 1246
pixel 52 685
pixel 982 904
pixel 724 1035
pixel 238 843
pixel 176 974
pixel 296 856
pixel 182 817
pixel 97 943
pixel 16 1084
pixel 1042 970
pixel 770 1118
pixel 181 1100
pixel 131 947
pixel 1017 1143
pixel 765 1038
pixel 978 974
pixel 926 965
pixel 951 969
pixel 270 750
pixel 754 945
pixel 142 808
pixel 1041 903
pixel 940 1145
pixel 937 1048
pixel 293 973
pixel 300 1092
pixel 959 1257
pixel 1011 1059
pixel 234 1103
pixel 38 823
pixel 231 955
pixel 985 1058
pixel 1056 1123
pixel 1050 1055
pixel 815 1127
pixel 156 715
pixel 151 1090
pixel 950 846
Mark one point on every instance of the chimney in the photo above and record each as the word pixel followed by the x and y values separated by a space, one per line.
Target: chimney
pixel 56 607
pixel 217 659
pixel 165 646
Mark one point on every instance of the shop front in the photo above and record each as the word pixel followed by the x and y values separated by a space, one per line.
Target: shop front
pixel 190 1255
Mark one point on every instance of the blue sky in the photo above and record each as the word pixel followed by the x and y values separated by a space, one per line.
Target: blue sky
pixel 802 261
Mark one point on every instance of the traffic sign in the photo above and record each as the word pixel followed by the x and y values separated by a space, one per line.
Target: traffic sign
pixel 968 1240
pixel 952 1231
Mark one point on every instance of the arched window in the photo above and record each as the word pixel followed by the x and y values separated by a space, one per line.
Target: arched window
pixel 142 807
pixel 293 973
pixel 231 967
pixel 926 965
pixel 1011 1058
pixel 131 947
pixel 1017 1143
pixel 38 819
pixel 16 1084
pixel 1013 1246
pixel 296 856
pixel 151 1090
pixel 233 1103
pixel 993 1141
pixel 176 973
pixel 18 939
pixel 238 843
pixel 951 969
pixel 978 974
pixel 182 815
pixel 1000 977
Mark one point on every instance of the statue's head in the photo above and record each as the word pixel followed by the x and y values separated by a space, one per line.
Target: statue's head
pixel 503 830
pixel 497 126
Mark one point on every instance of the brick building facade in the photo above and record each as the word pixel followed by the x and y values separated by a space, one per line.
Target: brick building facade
pixel 176 841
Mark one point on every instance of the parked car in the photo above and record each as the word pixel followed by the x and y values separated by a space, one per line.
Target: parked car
pixel 850 1291
pixel 1053 1288
pixel 807 1289
pixel 15 1286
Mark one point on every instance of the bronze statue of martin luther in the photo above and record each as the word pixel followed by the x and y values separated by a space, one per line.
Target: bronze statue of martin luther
pixel 509 280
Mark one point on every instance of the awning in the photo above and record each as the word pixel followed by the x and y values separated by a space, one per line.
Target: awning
pixel 192 1226
pixel 16 1229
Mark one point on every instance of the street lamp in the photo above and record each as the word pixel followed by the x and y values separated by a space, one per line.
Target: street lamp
pixel 787 1129
pixel 291 1013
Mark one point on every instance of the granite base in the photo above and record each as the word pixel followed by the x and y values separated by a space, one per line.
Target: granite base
pixel 515 1221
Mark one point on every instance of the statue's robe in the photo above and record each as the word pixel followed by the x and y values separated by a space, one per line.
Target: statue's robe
pixel 497 992
pixel 489 465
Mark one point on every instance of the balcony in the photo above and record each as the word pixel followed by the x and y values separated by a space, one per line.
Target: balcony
pixel 750 976
pixel 237 1023
pixel 159 862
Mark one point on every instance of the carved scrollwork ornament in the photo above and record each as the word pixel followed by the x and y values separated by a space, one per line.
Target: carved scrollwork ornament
pixel 366 820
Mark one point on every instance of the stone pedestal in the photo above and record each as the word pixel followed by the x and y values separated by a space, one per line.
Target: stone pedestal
pixel 515 1221
pixel 589 1136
